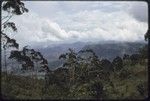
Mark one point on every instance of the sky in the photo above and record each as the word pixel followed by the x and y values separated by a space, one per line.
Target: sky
pixel 55 22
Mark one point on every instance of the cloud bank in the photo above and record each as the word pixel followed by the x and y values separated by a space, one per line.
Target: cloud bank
pixel 85 22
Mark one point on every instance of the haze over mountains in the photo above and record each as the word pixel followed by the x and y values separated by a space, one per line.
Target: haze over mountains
pixel 108 50
pixel 104 50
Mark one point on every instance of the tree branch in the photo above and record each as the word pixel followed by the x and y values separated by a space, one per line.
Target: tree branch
pixel 7 19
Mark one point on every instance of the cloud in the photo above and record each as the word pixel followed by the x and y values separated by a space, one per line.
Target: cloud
pixel 83 25
pixel 139 10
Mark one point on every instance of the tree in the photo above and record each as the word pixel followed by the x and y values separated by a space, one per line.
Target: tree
pixel 28 58
pixel 124 74
pixel 8 43
pixel 141 89
pixel 11 7
pixel 84 65
pixel 92 63
pixel 62 77
pixel 135 58
pixel 16 7
pixel 107 65
pixel 126 57
pixel 147 36
pixel 117 63
pixel 26 62
pixel 144 52
pixel 70 63
pixel 96 89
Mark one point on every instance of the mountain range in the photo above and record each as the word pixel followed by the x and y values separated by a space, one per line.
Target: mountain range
pixel 107 50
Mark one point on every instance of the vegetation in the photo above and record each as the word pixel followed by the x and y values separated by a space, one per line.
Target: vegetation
pixel 83 74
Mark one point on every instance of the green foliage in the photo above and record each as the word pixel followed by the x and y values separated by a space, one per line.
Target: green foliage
pixel 83 75
pixel 14 6
pixel 147 36
pixel 117 63
pixel 144 52
pixel 93 79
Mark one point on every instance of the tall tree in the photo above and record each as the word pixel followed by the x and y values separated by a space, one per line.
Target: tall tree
pixel 11 8
pixel 7 43
pixel 29 58
pixel 96 89
pixel 135 58
pixel 70 63
pixel 93 66
pixel 117 63
pixel 144 53
pixel 147 36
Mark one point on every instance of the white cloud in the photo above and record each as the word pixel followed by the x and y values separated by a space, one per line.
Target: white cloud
pixel 139 10
pixel 83 25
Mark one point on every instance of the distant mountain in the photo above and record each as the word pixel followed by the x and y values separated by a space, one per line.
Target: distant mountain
pixel 108 50
pixel 53 53
pixel 111 50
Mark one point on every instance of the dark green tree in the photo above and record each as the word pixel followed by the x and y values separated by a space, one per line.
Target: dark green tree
pixel 107 65
pixel 96 89
pixel 144 52
pixel 91 63
pixel 29 58
pixel 117 63
pixel 11 7
pixel 135 58
pixel 126 57
pixel 147 36
pixel 71 63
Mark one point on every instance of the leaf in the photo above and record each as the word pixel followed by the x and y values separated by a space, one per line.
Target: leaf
pixel 14 6
pixel 11 25
pixel 63 56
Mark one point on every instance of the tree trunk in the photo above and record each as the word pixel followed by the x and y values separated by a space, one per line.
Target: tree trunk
pixel 69 77
pixel 73 74
pixel 5 63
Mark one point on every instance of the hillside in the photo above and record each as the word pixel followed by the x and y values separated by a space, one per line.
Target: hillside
pixel 108 50
pixel 111 50
pixel 103 50
pixel 83 79
pixel 19 87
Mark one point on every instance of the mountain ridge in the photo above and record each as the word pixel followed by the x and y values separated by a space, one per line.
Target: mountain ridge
pixel 107 50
